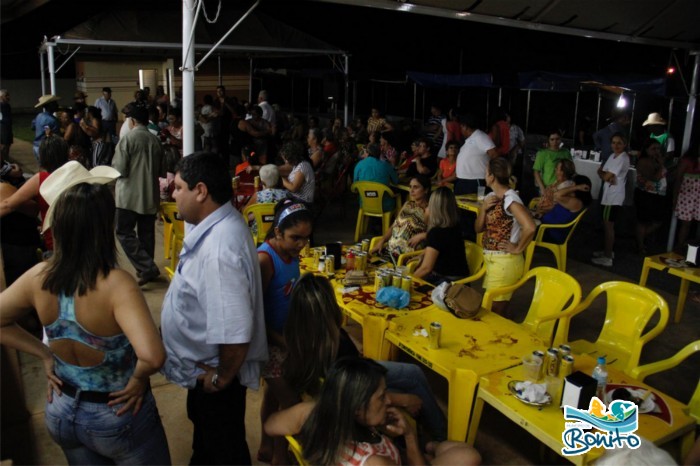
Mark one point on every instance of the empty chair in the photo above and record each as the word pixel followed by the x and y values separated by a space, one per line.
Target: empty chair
pixel 167 227
pixel 558 249
pixel 553 291
pixel 641 372
pixel 371 195
pixel 630 308
pixel 264 215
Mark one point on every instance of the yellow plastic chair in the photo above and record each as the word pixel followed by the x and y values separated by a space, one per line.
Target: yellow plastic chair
pixel 475 260
pixel 559 250
pixel 630 307
pixel 167 227
pixel 371 195
pixel 532 205
pixel 553 290
pixel 171 215
pixel 295 447
pixel 403 259
pixel 641 372
pixel 264 215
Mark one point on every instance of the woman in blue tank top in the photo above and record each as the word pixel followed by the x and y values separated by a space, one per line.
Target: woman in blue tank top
pixel 279 267
pixel 103 343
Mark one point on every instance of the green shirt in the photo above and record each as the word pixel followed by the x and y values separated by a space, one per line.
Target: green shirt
pixel 546 161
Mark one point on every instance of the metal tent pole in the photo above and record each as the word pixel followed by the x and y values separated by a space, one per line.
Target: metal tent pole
pixel 52 70
pixel 597 116
pixel 188 70
pixel 574 132
pixel 347 90
pixel 527 113
pixel 250 81
pixel 43 73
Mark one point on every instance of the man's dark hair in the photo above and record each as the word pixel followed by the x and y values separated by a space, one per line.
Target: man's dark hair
pixel 373 150
pixel 210 169
pixel 140 114
pixel 107 89
pixel 467 119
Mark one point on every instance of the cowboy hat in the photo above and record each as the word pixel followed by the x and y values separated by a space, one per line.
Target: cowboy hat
pixel 47 99
pixel 654 119
pixel 67 176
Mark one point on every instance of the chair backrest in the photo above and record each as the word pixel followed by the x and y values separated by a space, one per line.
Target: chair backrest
pixel 296 449
pixel 264 215
pixel 574 223
pixel 560 229
pixel 172 215
pixel 475 256
pixel 554 289
pixel 630 307
pixel 641 372
pixel 371 195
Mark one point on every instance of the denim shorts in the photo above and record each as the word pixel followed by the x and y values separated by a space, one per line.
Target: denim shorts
pixel 92 433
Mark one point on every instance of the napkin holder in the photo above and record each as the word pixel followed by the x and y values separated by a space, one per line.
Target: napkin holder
pixel 578 390
pixel 692 257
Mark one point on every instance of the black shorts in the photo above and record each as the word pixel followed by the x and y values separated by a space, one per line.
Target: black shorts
pixel 611 212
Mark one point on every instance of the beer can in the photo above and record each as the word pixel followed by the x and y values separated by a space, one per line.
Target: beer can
pixel 234 182
pixel 396 280
pixel 551 362
pixel 317 256
pixel 406 283
pixel 306 250
pixel 564 350
pixel 256 182
pixel 378 281
pixel 538 354
pixel 330 264
pixel 365 245
pixel 566 366
pixel 434 335
pixel 321 267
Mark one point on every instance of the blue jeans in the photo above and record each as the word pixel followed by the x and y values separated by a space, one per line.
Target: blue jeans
pixel 409 378
pixel 92 433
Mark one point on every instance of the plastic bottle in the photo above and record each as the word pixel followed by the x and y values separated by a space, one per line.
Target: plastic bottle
pixel 600 374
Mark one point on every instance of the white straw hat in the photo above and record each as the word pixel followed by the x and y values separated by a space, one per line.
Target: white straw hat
pixel 47 99
pixel 68 175
pixel 654 119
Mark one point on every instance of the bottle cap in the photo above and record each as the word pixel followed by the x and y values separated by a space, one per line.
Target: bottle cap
pixel 601 359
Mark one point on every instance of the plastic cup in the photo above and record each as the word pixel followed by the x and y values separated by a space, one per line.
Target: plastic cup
pixel 481 193
pixel 532 367
pixel 554 388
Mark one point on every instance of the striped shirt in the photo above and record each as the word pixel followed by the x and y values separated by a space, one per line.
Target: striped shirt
pixel 358 455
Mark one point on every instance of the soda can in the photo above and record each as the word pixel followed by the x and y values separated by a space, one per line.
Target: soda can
pixel 406 283
pixel 566 366
pixel 256 183
pixel 564 350
pixel 434 335
pixel 396 280
pixel 551 362
pixel 378 281
pixel 365 245
pixel 330 264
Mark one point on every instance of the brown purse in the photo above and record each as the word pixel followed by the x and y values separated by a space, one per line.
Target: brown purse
pixel 463 300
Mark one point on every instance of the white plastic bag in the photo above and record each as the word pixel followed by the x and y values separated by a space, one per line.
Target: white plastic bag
pixel 438 295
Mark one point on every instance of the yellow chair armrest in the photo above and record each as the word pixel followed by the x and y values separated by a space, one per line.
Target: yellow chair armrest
pixel 641 372
pixel 405 257
pixel 487 302
pixel 472 278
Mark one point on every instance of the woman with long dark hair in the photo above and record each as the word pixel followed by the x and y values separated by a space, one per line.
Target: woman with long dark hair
pixel 103 344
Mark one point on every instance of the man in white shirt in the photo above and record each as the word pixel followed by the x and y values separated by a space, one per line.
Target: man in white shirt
pixel 212 322
pixel 268 111
pixel 473 157
pixel 109 113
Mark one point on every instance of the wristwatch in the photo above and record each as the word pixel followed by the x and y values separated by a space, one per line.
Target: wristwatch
pixel 215 379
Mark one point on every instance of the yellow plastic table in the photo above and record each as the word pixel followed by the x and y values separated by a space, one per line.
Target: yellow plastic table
pixel 361 306
pixel 469 349
pixel 547 423
pixel 469 202
pixel 686 274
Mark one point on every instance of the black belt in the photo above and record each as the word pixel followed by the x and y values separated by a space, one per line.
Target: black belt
pixel 90 397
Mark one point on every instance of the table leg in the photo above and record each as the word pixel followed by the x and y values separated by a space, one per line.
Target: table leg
pixel 645 273
pixel 475 420
pixel 462 389
pixel 682 295
pixel 373 336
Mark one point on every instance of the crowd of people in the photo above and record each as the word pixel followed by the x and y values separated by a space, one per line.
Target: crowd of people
pixel 235 314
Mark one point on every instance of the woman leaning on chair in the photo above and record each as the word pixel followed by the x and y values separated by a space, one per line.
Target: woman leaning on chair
pixel 355 402
pixel 508 228
pixel 408 232
pixel 444 258
pixel 103 343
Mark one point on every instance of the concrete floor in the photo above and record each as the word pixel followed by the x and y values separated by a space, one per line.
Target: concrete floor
pixel 499 441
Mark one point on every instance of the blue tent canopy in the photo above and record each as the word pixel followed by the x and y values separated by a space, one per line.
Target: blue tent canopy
pixel 571 82
pixel 452 80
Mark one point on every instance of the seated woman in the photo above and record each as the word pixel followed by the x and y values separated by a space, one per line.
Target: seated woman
pixel 301 180
pixel 355 402
pixel 387 145
pixel 313 140
pixel 311 349
pixel 103 345
pixel 564 172
pixel 173 132
pixel 408 232
pixel 447 170
pixel 444 257
pixel 270 192
pixel 568 203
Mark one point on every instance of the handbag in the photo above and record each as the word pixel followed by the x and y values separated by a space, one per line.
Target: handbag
pixel 463 300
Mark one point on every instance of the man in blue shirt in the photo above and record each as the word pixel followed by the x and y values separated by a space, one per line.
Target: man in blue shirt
pixel 213 323
pixel 45 123
pixel 379 171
